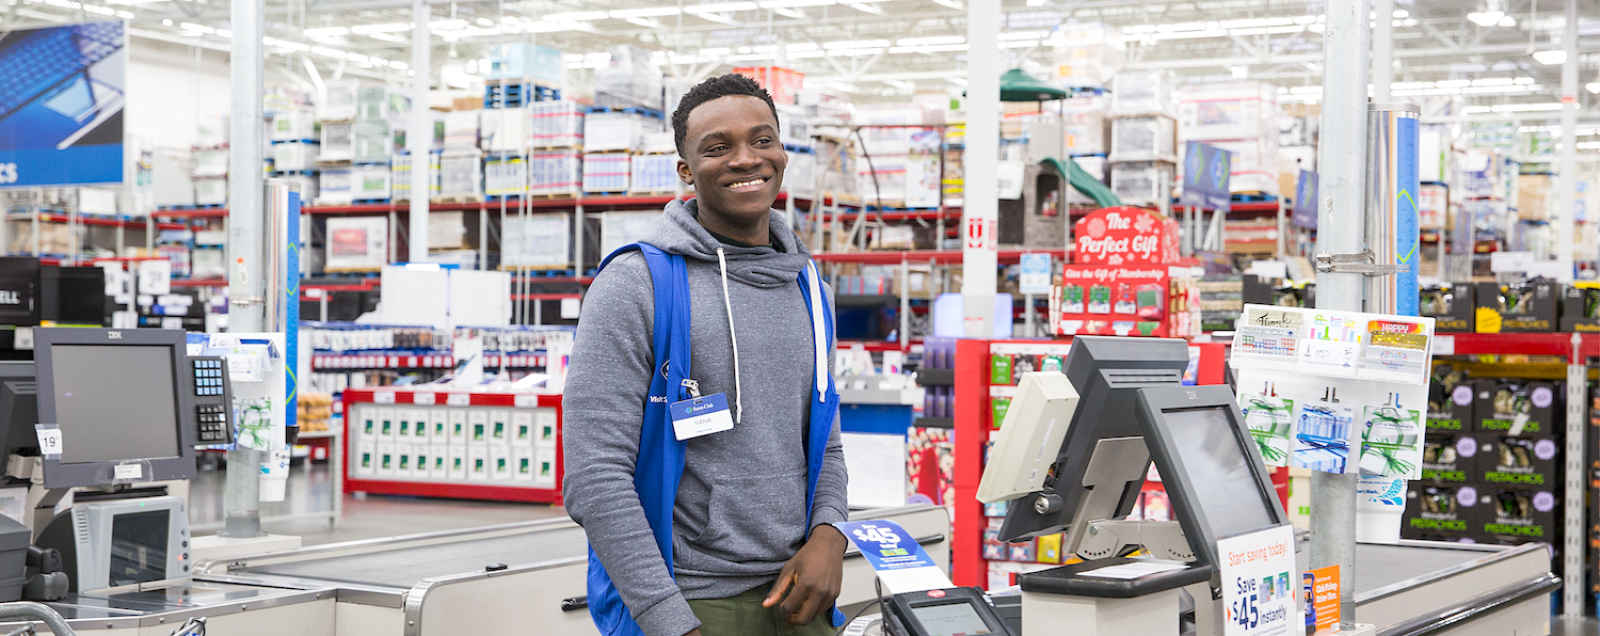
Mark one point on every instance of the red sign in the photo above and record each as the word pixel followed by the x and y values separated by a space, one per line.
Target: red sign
pixel 1124 236
pixel 980 233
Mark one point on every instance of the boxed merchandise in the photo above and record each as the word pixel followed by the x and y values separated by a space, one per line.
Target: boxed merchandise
pixel 338 142
pixel 1143 93
pixel 1525 460
pixel 373 142
pixel 1525 307
pixel 1517 407
pixel 1580 307
pixel 400 177
pixel 1236 110
pixel 1142 182
pixel 1451 459
pixel 357 244
pixel 794 127
pixel 294 156
pixel 293 125
pixel 606 172
pixel 1450 305
pixel 369 182
pixel 1451 401
pixel 781 83
pixel 1297 131
pixel 504 129
pixel 211 191
pixel 461 130
pixel 1533 202
pixel 799 178
pixel 459 174
pixel 540 241
pixel 305 184
pixel 1088 53
pixel 1144 138
pixel 1085 127
pixel 1440 512
pixel 521 60
pixel 616 130
pixel 555 124
pixel 379 104
pixel 1433 206
pixel 659 174
pixel 1519 514
pixel 824 106
pixel 1137 300
pixel 630 79
pixel 211 163
pixel 334 186
pixel 211 132
pixel 338 101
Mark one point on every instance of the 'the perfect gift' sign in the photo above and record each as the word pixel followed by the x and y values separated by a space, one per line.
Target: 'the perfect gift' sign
pixel 1124 236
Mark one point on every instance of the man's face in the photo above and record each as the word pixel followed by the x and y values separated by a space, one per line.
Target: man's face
pixel 733 157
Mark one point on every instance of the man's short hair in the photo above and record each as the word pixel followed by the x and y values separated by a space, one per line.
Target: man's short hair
pixel 722 86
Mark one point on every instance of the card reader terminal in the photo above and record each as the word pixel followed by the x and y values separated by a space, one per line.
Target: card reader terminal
pixel 213 400
pixel 958 611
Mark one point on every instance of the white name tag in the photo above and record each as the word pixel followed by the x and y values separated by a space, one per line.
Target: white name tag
pixel 694 417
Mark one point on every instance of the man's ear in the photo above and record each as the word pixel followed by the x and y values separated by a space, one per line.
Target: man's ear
pixel 683 172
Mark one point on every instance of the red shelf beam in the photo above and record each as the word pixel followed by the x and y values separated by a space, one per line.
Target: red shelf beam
pixel 1005 257
pixel 84 220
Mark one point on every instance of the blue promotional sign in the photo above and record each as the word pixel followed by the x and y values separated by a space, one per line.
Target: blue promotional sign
pixel 1034 276
pixel 61 116
pixel 1206 171
pixel 1407 236
pixel 1305 201
pixel 291 305
pixel 886 545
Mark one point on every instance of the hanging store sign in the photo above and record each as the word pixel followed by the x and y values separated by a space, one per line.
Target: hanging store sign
pixel 1206 172
pixel 61 123
pixel 1124 236
pixel 1305 200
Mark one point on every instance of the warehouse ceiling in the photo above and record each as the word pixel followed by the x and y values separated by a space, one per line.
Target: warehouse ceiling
pixel 1491 53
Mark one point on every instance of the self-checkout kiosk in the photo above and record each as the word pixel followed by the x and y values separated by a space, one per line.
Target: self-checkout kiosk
pixel 1072 455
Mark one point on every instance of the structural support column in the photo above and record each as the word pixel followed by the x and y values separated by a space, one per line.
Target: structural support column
pixel 978 228
pixel 1340 230
pixel 1382 49
pixel 247 277
pixel 419 137
pixel 1572 591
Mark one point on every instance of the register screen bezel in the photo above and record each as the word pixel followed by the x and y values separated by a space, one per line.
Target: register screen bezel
pixel 904 607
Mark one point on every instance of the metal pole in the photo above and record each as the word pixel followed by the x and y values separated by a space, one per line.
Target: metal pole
pixel 1382 49
pixel 419 139
pixel 1342 163
pixel 247 285
pixel 981 198
pixel 1572 589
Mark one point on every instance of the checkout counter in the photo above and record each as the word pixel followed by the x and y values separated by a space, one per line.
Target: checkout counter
pixel 128 571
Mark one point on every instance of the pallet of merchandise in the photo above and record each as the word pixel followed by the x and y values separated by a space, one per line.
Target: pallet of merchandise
pixel 653 174
pixel 459 200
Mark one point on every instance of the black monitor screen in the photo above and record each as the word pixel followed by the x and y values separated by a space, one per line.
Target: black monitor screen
pixel 950 619
pixel 115 403
pixel 138 547
pixel 1220 470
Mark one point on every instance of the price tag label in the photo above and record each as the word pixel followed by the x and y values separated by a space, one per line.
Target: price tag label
pixel 383 397
pixel 425 399
pixel 1444 345
pixel 49 441
pixel 527 401
pixel 128 471
pixel 459 399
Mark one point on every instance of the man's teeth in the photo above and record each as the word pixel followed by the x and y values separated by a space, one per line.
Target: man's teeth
pixel 751 182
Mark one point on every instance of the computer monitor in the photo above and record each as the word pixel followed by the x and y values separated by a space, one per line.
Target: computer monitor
pixel 1104 434
pixel 1209 465
pixel 123 542
pixel 73 295
pixel 19 409
pixel 122 402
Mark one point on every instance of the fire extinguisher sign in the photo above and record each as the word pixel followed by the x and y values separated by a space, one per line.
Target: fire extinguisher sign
pixel 980 233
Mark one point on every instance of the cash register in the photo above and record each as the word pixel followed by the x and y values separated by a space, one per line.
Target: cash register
pixel 1072 455
pixel 96 426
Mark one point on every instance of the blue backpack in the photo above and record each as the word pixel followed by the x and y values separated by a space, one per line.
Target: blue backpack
pixel 661 455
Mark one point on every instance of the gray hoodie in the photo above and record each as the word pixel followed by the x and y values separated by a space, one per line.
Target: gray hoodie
pixel 740 511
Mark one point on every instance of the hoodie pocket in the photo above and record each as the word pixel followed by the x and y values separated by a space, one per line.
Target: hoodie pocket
pixel 756 518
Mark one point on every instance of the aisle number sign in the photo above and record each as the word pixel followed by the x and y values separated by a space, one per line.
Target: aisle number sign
pixel 1260 585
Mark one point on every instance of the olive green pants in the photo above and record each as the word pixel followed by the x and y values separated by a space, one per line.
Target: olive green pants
pixel 743 615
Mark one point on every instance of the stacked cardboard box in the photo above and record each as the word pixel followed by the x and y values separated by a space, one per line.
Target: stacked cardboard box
pixel 1241 117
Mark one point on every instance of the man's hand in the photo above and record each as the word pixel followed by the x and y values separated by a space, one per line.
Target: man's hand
pixel 809 582
pixel 693 632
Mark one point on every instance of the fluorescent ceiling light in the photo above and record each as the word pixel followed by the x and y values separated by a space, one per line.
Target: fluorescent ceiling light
pixel 792 4
pixel 855 51
pixel 901 84
pixel 388 37
pixel 1588 145
pixel 716 51
pixel 576 16
pixel 1021 44
pixel 652 12
pixel 1402 13
pixel 485 22
pixel 1486 18
pixel 1508 22
pixel 720 7
pixel 1551 57
pixel 941 39
pixel 333 53
pixel 648 23
pixel 1594 87
pixel 801 46
pixel 958 81
pixel 856 44
pixel 866 9
pixel 937 48
pixel 316 33
pixel 387 27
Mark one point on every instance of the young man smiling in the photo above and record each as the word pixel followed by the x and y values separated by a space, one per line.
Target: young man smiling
pixel 748 557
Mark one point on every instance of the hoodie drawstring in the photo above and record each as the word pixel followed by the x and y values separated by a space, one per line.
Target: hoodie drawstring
pixel 738 392
pixel 818 330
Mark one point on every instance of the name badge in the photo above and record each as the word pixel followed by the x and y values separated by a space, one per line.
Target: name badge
pixel 705 415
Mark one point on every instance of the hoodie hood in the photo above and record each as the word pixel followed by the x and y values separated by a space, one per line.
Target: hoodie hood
pixel 679 232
